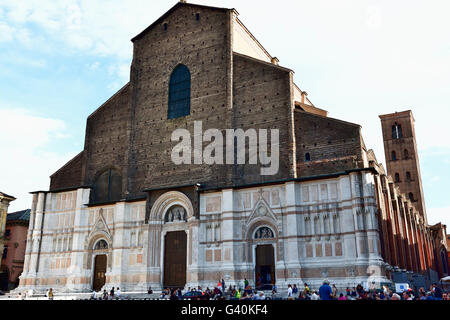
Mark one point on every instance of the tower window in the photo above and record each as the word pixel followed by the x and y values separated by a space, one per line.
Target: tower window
pixel 397 177
pixel 197 16
pixel 406 154
pixel 165 26
pixel 307 157
pixel 179 93
pixel 5 252
pixel 411 196
pixel 408 176
pixel 397 131
pixel 394 156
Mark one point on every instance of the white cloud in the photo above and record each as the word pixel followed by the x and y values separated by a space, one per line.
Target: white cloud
pixel 6 32
pixel 28 163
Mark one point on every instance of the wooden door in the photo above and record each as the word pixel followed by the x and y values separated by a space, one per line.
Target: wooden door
pixel 265 267
pixel 100 272
pixel 175 254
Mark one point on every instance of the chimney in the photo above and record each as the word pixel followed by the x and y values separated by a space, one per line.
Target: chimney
pixel 304 94
pixel 275 61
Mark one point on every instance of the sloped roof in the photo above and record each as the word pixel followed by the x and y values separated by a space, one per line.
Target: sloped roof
pixel 23 215
pixel 4 195
pixel 171 10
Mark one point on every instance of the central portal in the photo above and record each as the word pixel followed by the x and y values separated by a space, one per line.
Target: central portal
pixel 265 267
pixel 175 254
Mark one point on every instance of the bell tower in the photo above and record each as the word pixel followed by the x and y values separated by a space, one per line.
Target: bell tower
pixel 402 158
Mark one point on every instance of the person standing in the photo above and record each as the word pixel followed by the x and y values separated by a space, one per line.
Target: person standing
pixel 118 293
pixel 295 290
pixel 437 292
pixel 50 294
pixel 289 292
pixel 111 293
pixel 325 291
pixel 105 295
pixel 223 285
pixel 334 290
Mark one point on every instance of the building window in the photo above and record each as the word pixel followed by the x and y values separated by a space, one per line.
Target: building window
pixel 108 186
pixel 397 131
pixel 165 26
pixel 5 252
pixel 197 16
pixel 408 176
pixel 411 197
pixel 397 177
pixel 307 157
pixel 179 93
pixel 406 154
pixel 444 261
pixel 394 156
pixel 7 233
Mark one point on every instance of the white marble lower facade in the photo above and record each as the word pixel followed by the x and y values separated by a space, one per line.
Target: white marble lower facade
pixel 318 229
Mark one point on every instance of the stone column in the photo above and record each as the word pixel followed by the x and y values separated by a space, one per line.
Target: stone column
pixel 291 247
pixel 228 236
pixel 28 250
pixel 81 275
pixel 116 266
pixel 193 263
pixel 36 235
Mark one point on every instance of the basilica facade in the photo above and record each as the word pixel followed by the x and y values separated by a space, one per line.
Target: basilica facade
pixel 123 214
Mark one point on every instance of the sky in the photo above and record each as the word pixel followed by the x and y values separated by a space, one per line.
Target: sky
pixel 61 59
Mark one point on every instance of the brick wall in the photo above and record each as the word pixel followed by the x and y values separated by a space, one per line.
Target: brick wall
pixel 262 100
pixel 204 47
pixel 69 175
pixel 333 145
pixel 107 137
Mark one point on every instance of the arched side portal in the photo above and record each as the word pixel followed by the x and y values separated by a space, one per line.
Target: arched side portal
pixel 99 258
pixel 263 238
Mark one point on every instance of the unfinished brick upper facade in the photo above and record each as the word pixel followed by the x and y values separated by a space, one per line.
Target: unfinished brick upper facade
pixel 230 90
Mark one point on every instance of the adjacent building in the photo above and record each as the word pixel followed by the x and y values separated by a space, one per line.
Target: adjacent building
pixel 15 243
pixel 5 200
pixel 123 214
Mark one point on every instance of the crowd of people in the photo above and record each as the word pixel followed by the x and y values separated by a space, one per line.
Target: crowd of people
pixel 327 292
pixel 245 292
pixel 111 295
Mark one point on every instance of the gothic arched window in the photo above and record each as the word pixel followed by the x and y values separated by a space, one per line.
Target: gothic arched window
pixel 108 186
pixel 179 93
